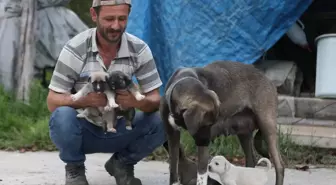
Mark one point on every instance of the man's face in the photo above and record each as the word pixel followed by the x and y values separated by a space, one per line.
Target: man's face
pixel 111 21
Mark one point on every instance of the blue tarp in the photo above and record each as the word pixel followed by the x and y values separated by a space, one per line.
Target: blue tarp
pixel 196 32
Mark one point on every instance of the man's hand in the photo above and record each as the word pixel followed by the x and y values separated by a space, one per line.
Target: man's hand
pixel 95 99
pixel 55 100
pixel 125 99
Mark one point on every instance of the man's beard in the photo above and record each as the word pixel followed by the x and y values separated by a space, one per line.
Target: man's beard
pixel 104 32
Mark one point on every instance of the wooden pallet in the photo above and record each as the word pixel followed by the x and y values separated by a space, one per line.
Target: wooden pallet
pixel 309 132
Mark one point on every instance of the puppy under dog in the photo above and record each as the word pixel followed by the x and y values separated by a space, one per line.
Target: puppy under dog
pixel 198 98
pixel 237 175
pixel 102 82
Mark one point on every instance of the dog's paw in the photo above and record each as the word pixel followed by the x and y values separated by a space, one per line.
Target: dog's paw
pixel 113 105
pixel 139 97
pixel 81 115
pixel 129 127
pixel 75 97
pixel 113 130
pixel 107 108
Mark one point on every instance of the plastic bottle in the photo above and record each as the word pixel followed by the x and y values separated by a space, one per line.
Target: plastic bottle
pixel 298 36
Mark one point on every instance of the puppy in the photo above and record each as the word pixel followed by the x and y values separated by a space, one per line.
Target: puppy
pixel 237 175
pixel 197 98
pixel 120 81
pixel 98 83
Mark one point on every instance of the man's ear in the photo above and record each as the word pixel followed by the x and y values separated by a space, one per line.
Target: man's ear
pixel 94 15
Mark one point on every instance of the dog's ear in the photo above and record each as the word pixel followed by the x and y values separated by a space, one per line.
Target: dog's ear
pixel 193 117
pixel 227 166
pixel 216 102
pixel 127 79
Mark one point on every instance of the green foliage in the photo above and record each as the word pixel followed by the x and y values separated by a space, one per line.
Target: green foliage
pixel 23 125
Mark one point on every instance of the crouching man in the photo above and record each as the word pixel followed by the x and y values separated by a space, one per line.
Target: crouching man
pixel 106 47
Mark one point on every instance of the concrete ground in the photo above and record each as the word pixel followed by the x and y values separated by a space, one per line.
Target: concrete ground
pixel 45 168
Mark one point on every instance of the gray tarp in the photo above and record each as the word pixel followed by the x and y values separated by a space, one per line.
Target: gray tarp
pixel 55 26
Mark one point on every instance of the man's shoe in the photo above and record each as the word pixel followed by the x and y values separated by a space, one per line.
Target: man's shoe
pixel 75 175
pixel 123 174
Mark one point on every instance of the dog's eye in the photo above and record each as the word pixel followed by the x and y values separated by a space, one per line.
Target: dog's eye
pixel 216 163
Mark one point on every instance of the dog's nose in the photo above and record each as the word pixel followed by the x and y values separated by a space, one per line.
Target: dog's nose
pixel 209 168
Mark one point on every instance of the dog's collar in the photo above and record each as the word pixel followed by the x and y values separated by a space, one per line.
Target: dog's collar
pixel 170 89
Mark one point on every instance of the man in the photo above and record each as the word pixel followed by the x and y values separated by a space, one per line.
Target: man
pixel 106 47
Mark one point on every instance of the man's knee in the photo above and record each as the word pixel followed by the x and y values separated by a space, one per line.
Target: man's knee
pixel 150 135
pixel 148 120
pixel 151 123
pixel 63 125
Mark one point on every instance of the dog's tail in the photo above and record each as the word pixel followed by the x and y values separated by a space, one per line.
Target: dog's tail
pixel 267 161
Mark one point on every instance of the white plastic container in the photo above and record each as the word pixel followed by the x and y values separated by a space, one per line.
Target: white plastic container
pixel 325 86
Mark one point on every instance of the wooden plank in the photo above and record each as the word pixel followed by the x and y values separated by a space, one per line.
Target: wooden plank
pixel 310 131
pixel 27 49
pixel 304 107
pixel 317 142
pixel 317 136
pixel 316 108
pixel 306 122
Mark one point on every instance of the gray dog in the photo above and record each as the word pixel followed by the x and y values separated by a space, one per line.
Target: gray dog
pixel 241 124
pixel 192 99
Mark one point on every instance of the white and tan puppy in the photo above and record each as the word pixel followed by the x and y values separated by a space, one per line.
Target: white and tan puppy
pixel 98 83
pixel 236 175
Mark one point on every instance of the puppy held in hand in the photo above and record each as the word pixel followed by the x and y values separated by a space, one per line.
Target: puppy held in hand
pixel 120 81
pixel 98 83
pixel 237 175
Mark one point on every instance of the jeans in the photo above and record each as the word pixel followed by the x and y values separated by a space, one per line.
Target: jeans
pixel 74 137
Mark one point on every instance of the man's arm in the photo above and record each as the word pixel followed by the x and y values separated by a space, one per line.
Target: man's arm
pixel 55 100
pixel 151 102
pixel 149 80
pixel 65 74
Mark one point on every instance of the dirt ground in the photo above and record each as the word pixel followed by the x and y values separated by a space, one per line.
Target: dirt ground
pixel 45 168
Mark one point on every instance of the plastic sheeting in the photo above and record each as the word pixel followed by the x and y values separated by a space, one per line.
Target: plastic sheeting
pixel 56 25
pixel 194 33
